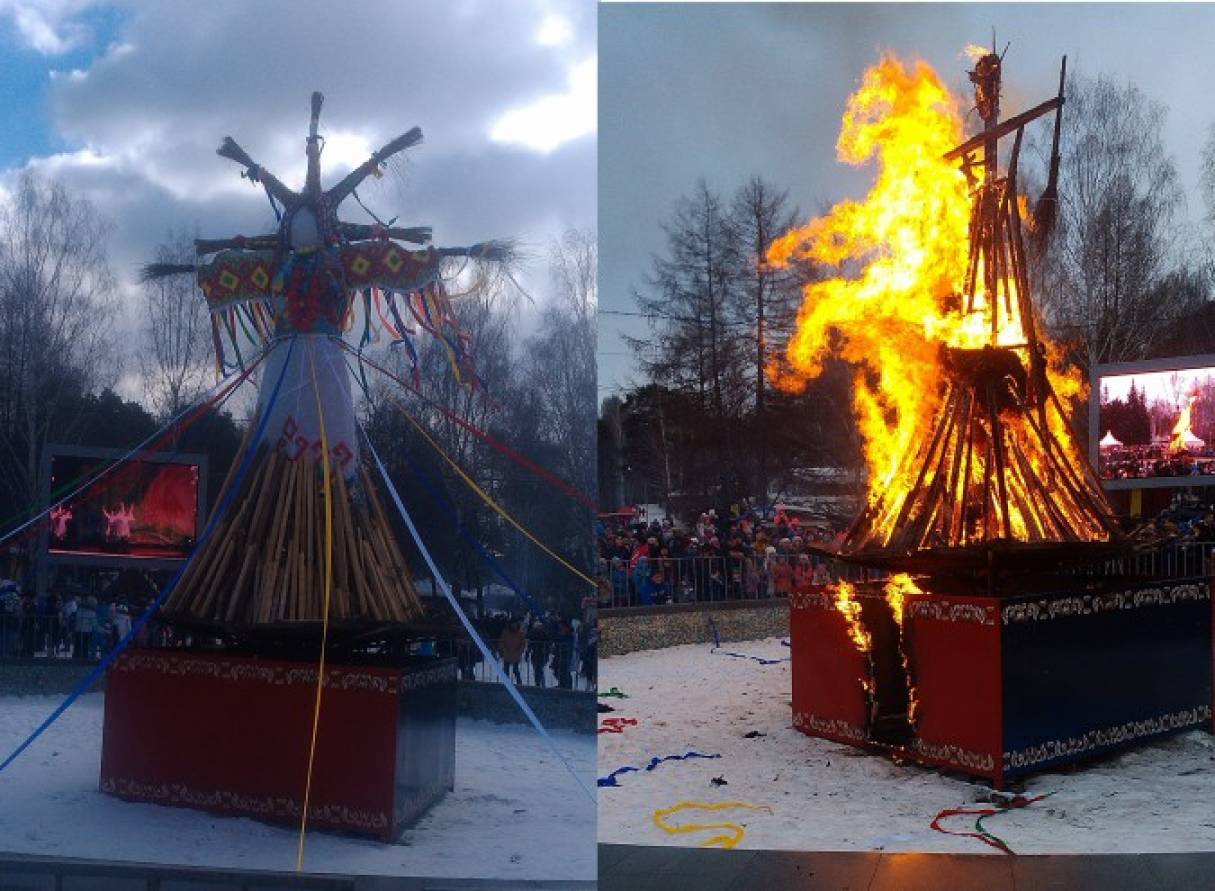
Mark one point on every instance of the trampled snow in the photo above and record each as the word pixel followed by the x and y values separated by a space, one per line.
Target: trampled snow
pixel 827 796
pixel 515 813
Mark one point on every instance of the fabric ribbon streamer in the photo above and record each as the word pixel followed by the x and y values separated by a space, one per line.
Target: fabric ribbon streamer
pixel 610 779
pixel 717 645
pixel 616 725
pixel 521 460
pixel 497 508
pixel 327 480
pixel 736 831
pixel 139 623
pixel 613 693
pixel 486 654
pixel 442 501
pixel 758 659
pixel 982 813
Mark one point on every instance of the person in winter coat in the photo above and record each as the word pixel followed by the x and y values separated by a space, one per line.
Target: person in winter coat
pixel 86 625
pixel 511 645
pixel 782 577
pixel 563 656
pixel 537 640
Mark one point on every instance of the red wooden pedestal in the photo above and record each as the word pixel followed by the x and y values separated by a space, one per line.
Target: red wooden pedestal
pixel 1006 686
pixel 231 734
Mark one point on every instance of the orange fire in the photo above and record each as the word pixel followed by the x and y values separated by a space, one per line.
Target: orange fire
pixel 846 603
pixel 899 587
pixel 897 296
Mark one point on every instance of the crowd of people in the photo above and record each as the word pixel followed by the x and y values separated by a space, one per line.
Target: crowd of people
pixel 66 625
pixel 727 555
pixel 1151 461
pixel 554 650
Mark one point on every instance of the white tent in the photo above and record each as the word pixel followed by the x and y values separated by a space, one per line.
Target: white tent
pixel 1108 441
pixel 1190 441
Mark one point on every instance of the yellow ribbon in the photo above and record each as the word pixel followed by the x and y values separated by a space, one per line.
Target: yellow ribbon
pixel 736 831
pixel 320 674
pixel 488 500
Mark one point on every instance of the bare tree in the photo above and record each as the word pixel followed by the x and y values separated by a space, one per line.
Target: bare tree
pixel 56 304
pixel 760 214
pixel 1107 278
pixel 174 361
pixel 561 356
pixel 697 345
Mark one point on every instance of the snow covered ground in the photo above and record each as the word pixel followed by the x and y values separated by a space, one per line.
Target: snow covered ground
pixel 516 813
pixel 826 796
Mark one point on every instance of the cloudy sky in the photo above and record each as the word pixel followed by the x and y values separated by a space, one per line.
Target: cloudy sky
pixel 125 102
pixel 728 91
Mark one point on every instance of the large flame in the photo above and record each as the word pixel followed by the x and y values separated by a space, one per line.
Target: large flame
pixel 900 258
pixel 1183 437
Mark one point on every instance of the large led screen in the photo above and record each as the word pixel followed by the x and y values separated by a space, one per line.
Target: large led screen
pixel 142 509
pixel 1155 424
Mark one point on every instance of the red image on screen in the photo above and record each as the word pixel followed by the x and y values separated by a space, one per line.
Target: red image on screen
pixel 143 509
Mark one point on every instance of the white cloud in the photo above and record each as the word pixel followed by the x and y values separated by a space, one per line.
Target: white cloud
pixel 140 124
pixel 46 26
pixel 555 119
pixel 554 30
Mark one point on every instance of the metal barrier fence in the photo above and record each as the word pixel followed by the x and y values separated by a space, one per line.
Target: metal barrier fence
pixel 665 580
pixel 43 638
pixel 673 580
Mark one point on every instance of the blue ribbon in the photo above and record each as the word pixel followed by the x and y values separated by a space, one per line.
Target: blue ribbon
pixel 138 624
pixel 468 625
pixel 745 656
pixel 610 779
pixel 717 645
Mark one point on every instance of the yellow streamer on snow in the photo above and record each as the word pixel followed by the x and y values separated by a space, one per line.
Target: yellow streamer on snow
pixel 735 833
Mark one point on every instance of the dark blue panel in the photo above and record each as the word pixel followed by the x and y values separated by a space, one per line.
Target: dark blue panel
pixel 426 737
pixel 1103 672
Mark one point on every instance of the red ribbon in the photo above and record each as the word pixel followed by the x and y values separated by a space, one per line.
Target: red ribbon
pixel 616 725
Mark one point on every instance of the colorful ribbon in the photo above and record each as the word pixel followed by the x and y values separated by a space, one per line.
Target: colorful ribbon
pixel 616 725
pixel 327 480
pixel 758 659
pixel 736 830
pixel 521 460
pixel 444 502
pixel 497 508
pixel 610 779
pixel 982 813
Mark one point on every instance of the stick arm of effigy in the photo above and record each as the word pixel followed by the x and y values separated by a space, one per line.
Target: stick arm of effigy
pixel 229 149
pixel 338 193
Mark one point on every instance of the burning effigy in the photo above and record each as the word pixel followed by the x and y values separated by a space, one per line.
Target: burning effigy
pixel 997 633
